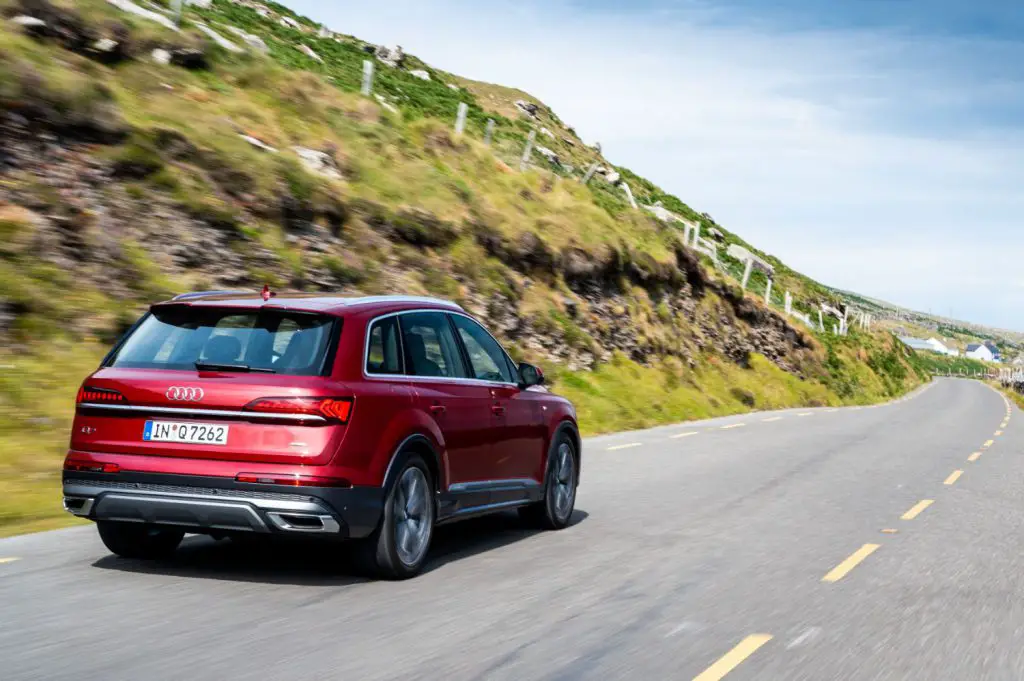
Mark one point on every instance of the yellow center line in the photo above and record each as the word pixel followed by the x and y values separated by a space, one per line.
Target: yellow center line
pixel 953 477
pixel 627 446
pixel 4 561
pixel 999 433
pixel 772 419
pixel 918 509
pixel 734 658
pixel 841 570
pixel 988 444
pixel 974 457
pixel 686 434
pixel 735 425
pixel 806 413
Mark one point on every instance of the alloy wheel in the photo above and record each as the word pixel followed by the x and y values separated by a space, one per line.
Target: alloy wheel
pixel 413 516
pixel 564 481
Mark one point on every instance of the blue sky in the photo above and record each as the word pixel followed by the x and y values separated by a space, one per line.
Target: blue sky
pixel 876 145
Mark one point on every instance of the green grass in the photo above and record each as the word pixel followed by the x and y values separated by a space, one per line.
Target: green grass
pixel 37 398
pixel 623 395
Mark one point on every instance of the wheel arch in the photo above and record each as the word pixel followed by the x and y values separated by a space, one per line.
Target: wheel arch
pixel 420 444
pixel 568 427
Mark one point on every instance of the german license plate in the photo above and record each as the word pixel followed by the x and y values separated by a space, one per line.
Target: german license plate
pixel 185 433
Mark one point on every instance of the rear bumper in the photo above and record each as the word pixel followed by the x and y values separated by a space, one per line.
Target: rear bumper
pixel 217 505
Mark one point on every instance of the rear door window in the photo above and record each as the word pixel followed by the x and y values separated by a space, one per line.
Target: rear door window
pixel 177 337
pixel 384 349
pixel 430 346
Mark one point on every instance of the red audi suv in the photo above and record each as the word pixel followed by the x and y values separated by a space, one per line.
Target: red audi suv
pixel 370 419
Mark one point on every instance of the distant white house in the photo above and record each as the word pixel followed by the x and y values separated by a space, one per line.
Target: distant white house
pixel 917 344
pixel 930 345
pixel 937 346
pixel 980 352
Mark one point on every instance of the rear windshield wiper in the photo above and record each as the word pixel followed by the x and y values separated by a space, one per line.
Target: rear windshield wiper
pixel 243 368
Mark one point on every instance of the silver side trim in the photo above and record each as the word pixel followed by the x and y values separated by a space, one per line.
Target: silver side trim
pixel 486 508
pixel 203 413
pixel 492 485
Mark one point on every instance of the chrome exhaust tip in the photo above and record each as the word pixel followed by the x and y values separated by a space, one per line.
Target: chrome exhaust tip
pixel 78 506
pixel 304 522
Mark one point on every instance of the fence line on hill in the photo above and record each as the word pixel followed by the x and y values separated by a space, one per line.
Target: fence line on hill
pixel 826 320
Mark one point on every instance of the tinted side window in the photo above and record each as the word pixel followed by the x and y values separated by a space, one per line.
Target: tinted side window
pixel 384 355
pixel 486 357
pixel 430 346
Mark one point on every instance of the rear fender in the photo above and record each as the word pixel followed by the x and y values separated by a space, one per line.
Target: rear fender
pixel 418 435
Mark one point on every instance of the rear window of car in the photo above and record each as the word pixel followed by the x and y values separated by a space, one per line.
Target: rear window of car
pixel 179 337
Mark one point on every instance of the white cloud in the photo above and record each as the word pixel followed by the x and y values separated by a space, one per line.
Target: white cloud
pixel 861 158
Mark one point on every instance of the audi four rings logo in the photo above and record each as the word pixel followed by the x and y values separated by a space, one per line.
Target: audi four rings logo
pixel 179 394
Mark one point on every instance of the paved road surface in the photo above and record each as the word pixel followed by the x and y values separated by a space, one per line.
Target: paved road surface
pixel 769 546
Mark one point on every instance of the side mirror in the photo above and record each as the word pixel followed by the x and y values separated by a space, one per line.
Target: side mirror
pixel 530 375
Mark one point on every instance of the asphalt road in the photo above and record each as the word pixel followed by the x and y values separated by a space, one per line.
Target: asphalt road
pixel 792 545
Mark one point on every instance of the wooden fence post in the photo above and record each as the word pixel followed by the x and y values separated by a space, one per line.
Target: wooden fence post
pixel 367 78
pixel 525 162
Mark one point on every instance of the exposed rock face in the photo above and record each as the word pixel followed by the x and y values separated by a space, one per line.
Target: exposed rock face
pixel 550 155
pixel 390 56
pixel 308 51
pixel 189 58
pixel 528 108
pixel 254 42
pixel 319 162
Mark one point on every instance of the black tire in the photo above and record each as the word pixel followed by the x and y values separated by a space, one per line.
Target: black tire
pixel 554 512
pixel 384 553
pixel 135 540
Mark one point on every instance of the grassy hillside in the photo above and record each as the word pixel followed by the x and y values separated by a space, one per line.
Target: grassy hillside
pixel 124 179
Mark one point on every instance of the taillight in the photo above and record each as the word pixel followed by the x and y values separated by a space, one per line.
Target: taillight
pixel 82 466
pixel 292 480
pixel 102 395
pixel 337 409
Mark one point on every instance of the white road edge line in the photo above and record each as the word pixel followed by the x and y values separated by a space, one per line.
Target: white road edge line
pixel 626 446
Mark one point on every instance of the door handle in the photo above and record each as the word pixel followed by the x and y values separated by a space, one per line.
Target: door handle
pixel 498 410
pixel 438 409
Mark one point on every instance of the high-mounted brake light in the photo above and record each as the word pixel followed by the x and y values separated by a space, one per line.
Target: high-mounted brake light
pixel 292 480
pixel 266 293
pixel 337 409
pixel 90 394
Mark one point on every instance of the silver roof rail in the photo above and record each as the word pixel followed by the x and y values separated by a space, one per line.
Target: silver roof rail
pixel 203 294
pixel 404 299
